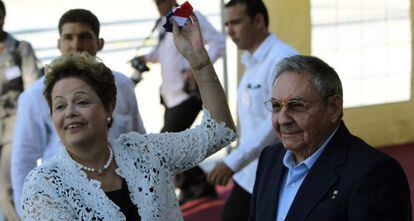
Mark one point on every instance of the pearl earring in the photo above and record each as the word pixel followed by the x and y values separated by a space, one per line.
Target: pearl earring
pixel 108 119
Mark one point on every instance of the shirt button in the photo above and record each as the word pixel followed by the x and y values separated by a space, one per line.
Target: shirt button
pixel 293 185
pixel 283 217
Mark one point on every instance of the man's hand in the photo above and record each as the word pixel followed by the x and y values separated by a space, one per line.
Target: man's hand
pixel 142 59
pixel 220 175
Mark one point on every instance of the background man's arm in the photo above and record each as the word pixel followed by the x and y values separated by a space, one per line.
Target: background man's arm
pixel 29 69
pixel 28 143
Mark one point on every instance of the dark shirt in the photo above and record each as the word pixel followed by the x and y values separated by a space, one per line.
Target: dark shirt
pixel 122 199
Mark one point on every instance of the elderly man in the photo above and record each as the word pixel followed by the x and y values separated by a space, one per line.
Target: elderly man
pixel 321 171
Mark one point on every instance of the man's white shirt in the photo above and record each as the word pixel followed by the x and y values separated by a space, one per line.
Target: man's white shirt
pixel 173 63
pixel 255 126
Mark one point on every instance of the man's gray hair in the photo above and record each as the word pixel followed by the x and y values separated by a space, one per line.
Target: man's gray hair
pixel 325 78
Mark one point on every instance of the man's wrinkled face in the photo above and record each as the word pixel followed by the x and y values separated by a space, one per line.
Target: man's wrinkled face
pixel 301 128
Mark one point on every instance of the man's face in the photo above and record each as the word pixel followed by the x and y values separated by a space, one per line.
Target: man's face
pixel 240 26
pixel 302 129
pixel 164 6
pixel 78 37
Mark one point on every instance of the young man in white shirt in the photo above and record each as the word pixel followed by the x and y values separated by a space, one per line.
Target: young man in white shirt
pixel 34 135
pixel 247 24
pixel 179 93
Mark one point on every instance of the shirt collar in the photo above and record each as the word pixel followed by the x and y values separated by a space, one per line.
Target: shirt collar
pixel 260 53
pixel 289 161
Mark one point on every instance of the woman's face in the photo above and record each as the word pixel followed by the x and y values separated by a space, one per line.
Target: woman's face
pixel 78 113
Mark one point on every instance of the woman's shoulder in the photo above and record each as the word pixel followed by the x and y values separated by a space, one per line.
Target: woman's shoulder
pixel 48 169
pixel 40 181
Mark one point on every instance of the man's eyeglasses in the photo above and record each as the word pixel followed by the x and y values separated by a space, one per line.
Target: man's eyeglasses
pixel 276 106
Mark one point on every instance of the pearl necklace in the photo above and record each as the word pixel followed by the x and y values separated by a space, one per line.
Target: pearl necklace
pixel 99 171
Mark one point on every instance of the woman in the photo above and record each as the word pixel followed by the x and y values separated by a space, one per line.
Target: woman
pixel 129 178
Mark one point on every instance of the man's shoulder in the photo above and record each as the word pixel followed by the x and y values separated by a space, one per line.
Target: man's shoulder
pixel 358 154
pixel 35 91
pixel 362 153
pixel 122 79
pixel 271 151
pixel 201 16
pixel 281 49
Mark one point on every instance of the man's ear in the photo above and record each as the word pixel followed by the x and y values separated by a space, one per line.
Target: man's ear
pixel 335 105
pixel 259 20
pixel 101 43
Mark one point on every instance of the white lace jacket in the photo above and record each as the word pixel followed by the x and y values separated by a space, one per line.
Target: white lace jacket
pixel 59 190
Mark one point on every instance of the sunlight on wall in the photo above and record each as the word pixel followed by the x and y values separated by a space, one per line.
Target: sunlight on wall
pixel 369 44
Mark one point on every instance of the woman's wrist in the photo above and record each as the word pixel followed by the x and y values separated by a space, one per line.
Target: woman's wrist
pixel 199 60
pixel 200 65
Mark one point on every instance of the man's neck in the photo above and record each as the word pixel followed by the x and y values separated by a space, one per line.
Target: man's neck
pixel 302 155
pixel 259 40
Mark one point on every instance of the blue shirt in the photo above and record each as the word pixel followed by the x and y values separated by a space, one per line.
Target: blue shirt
pixel 294 177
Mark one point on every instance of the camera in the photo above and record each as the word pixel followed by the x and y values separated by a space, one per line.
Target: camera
pixel 139 67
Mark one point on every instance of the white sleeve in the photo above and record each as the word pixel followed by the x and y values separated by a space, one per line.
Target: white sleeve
pixel 125 115
pixel 28 139
pixel 40 202
pixel 214 41
pixel 138 124
pixel 184 150
pixel 152 56
pixel 261 137
pixel 243 155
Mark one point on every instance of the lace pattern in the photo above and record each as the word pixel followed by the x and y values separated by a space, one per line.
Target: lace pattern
pixel 59 190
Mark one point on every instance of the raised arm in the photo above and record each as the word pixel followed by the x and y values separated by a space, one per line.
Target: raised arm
pixel 189 42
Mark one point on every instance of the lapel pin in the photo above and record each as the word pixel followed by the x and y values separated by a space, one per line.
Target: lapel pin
pixel 334 194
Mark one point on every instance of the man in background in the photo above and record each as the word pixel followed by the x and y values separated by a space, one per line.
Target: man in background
pixel 180 95
pixel 18 70
pixel 247 23
pixel 34 136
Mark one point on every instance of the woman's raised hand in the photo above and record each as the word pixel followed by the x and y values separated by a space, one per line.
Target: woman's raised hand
pixel 189 41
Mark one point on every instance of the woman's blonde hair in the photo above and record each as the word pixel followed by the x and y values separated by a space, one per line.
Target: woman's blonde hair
pixel 87 68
